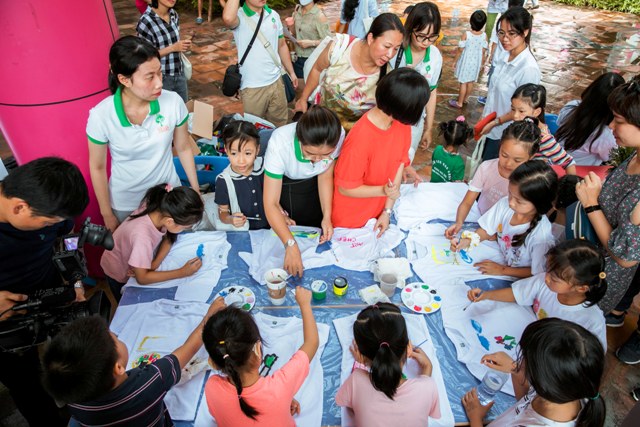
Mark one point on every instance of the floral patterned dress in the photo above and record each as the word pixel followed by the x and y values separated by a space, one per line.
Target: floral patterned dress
pixel 620 194
pixel 348 93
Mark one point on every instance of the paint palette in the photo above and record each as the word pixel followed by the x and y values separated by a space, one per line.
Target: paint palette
pixel 240 296
pixel 421 298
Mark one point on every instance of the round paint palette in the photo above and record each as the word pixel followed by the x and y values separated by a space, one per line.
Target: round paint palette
pixel 240 296
pixel 421 298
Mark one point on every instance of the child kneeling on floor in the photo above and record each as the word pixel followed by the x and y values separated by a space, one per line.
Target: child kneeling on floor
pixel 84 367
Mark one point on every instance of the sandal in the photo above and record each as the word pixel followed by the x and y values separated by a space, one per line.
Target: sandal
pixel 453 103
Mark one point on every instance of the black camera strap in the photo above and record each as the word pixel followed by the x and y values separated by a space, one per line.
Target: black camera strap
pixel 255 34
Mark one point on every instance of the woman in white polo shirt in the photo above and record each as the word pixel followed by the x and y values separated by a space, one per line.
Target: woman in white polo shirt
pixel 299 177
pixel 520 67
pixel 137 125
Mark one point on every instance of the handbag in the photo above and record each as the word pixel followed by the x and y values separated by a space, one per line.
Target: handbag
pixel 187 69
pixel 367 20
pixel 289 90
pixel 474 160
pixel 578 225
pixel 232 76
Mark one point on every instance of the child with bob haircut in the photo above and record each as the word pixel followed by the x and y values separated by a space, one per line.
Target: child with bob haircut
pixel 570 289
pixel 382 396
pixel 239 186
pixel 375 153
pixel 518 222
pixel 84 367
pixel 557 379
pixel 164 213
pixel 447 165
pixel 241 396
pixel 490 183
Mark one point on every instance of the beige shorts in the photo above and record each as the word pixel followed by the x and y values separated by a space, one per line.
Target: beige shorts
pixel 268 102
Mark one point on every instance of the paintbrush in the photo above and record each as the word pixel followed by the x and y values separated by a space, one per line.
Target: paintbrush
pixel 469 305
pixel 420 345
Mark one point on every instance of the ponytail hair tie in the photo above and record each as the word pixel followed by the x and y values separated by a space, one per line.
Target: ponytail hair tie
pixel 460 119
pixel 168 188
pixel 225 356
pixel 383 343
pixel 602 275
pixel 527 120
pixel 596 397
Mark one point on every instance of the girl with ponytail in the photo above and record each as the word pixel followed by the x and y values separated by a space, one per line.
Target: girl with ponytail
pixel 574 283
pixel 378 393
pixel 241 396
pixel 518 223
pixel 556 378
pixel 163 213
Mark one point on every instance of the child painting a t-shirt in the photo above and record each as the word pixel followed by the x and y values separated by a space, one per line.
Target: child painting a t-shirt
pixel 144 239
pixel 490 183
pixel 570 289
pixel 447 165
pixel 518 223
pixel 382 396
pixel 241 396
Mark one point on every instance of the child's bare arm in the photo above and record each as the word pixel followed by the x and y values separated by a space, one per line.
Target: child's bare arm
pixel 309 327
pixel 186 351
pixel 161 254
pixel 146 276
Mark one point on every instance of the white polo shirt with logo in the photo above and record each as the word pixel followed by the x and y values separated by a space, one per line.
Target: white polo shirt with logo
pixel 258 69
pixel 284 156
pixel 140 154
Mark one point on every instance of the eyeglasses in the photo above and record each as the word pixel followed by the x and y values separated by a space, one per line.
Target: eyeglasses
pixel 510 35
pixel 421 38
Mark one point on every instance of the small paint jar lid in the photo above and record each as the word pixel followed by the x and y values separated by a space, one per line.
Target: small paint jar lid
pixel 319 289
pixel 340 285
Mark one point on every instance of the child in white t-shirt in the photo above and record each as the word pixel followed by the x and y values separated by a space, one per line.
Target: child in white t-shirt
pixel 518 223
pixel 490 183
pixel 570 289
pixel 556 379
pixel 382 396
pixel 141 242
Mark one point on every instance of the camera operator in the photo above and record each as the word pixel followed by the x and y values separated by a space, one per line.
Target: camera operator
pixel 37 203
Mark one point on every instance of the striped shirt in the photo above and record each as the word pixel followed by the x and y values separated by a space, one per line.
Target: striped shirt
pixel 136 402
pixel 553 152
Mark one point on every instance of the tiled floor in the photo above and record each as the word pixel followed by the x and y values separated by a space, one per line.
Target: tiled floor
pixel 572 45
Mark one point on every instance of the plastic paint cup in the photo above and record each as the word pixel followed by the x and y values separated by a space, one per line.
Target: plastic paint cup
pixel 389 283
pixel 340 286
pixel 319 290
pixel 491 384
pixel 276 285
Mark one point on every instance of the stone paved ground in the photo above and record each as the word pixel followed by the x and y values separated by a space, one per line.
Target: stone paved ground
pixel 573 46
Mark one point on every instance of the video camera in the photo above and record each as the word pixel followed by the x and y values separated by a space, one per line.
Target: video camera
pixel 50 309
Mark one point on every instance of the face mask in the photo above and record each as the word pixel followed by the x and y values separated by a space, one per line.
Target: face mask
pixel 305 2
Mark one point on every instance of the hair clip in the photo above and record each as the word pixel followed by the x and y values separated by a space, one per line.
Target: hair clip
pixel 225 356
pixel 527 120
pixel 602 275
pixel 383 343
pixel 460 119
pixel 168 188
pixel 221 342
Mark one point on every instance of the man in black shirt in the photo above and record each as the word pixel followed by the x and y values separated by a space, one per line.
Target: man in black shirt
pixel 37 202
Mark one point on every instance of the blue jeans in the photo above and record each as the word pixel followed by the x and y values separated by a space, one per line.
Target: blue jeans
pixel 176 83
